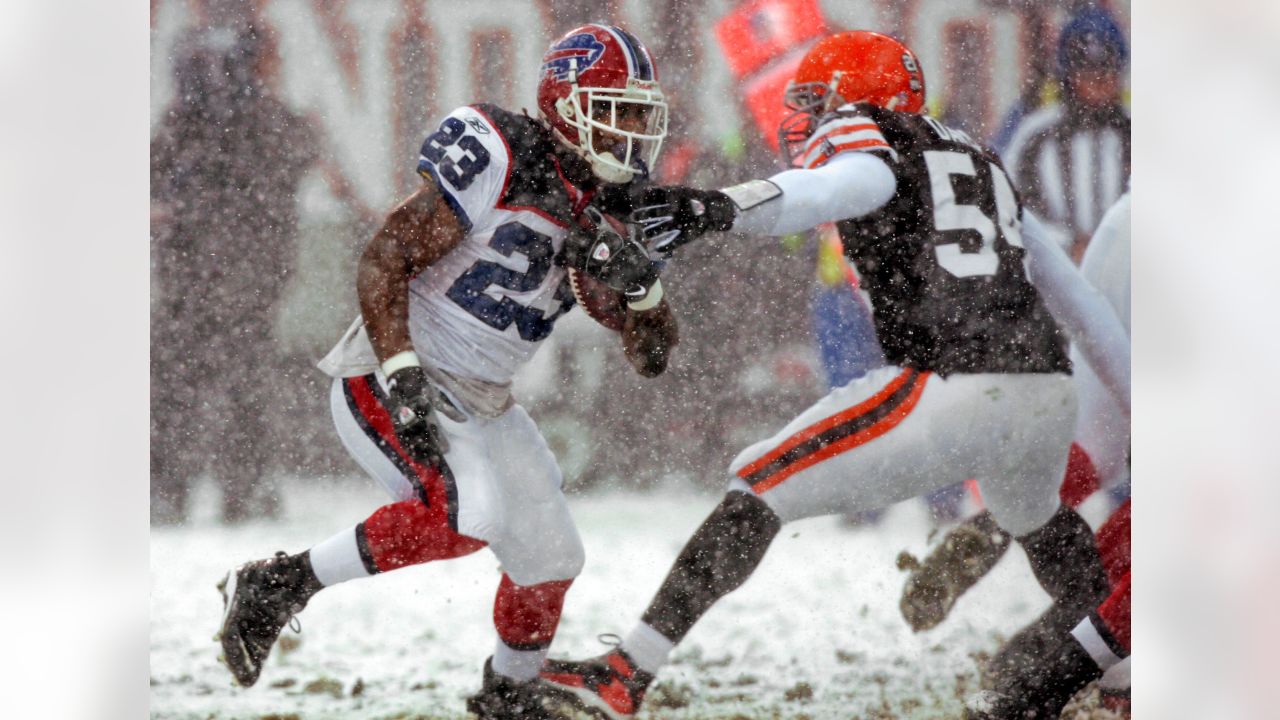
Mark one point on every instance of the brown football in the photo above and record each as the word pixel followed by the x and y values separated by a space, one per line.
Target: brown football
pixel 604 304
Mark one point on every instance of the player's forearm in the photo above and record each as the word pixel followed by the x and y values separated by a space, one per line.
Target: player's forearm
pixel 849 185
pixel 648 338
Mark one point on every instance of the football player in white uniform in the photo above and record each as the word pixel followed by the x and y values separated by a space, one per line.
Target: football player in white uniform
pixel 458 288
pixel 978 383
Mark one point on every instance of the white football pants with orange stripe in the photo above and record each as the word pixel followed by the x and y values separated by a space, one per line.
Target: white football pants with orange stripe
pixel 897 433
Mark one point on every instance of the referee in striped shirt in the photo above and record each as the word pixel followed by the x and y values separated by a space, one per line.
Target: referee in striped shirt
pixel 1070 161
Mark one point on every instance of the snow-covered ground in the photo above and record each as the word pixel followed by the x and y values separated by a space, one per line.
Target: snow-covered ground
pixel 815 633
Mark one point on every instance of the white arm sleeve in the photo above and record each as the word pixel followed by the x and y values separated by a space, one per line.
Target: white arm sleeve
pixel 1083 312
pixel 849 185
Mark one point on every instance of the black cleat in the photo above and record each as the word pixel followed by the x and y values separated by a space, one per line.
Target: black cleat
pixel 259 598
pixel 1034 675
pixel 503 698
pixel 609 686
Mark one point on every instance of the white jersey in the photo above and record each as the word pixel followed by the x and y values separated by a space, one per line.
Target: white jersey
pixel 482 310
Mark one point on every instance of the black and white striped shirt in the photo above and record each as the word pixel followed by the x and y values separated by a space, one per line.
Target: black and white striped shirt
pixel 1071 163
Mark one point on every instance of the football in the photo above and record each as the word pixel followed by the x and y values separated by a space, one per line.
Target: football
pixel 601 302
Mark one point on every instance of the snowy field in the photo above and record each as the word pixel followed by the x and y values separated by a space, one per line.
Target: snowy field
pixel 814 634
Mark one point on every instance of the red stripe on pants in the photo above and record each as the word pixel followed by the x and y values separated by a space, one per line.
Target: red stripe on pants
pixel 409 533
pixel 526 617
pixel 812 431
pixel 866 435
pixel 379 419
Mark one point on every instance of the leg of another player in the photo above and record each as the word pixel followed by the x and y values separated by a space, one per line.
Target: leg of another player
pixel 1038 671
pixel 723 552
pixel 720 556
pixel 1065 560
pixel 971 549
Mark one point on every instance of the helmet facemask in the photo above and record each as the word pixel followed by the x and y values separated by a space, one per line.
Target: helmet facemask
pixel 808 102
pixel 592 109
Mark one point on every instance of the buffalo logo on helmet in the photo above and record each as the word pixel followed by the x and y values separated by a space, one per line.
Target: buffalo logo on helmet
pixel 583 48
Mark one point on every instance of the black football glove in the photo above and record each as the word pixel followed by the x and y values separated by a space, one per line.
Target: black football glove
pixel 413 400
pixel 675 215
pixel 622 263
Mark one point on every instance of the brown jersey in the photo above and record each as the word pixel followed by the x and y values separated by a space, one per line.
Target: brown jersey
pixel 943 260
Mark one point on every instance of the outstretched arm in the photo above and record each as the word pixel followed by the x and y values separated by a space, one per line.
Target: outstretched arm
pixel 1085 314
pixel 850 184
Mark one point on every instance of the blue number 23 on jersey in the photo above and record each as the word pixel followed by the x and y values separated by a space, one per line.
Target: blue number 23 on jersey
pixel 468 291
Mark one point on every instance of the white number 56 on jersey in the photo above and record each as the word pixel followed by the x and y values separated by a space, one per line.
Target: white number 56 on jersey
pixel 951 215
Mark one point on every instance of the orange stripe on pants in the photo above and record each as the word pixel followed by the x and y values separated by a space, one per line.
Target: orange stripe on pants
pixel 882 426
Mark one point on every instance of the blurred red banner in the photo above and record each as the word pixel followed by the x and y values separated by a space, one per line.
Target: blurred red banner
pixel 763 94
pixel 761 30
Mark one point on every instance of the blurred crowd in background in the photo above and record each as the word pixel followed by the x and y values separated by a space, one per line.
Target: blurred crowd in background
pixel 253 269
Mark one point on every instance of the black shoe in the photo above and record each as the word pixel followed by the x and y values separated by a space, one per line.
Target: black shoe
pixel 609 685
pixel 259 599
pixel 1034 675
pixel 504 698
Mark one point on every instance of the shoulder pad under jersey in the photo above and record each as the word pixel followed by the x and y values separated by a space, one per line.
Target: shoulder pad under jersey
pixel 849 128
pixel 533 181
pixel 469 160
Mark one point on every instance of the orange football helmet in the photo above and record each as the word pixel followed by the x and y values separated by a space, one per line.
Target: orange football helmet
pixel 849 67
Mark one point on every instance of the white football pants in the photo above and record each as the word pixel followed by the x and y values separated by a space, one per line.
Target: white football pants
pixel 897 433
pixel 504 486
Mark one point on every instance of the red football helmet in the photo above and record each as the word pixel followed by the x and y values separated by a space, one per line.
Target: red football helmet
pixel 601 78
pixel 849 67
